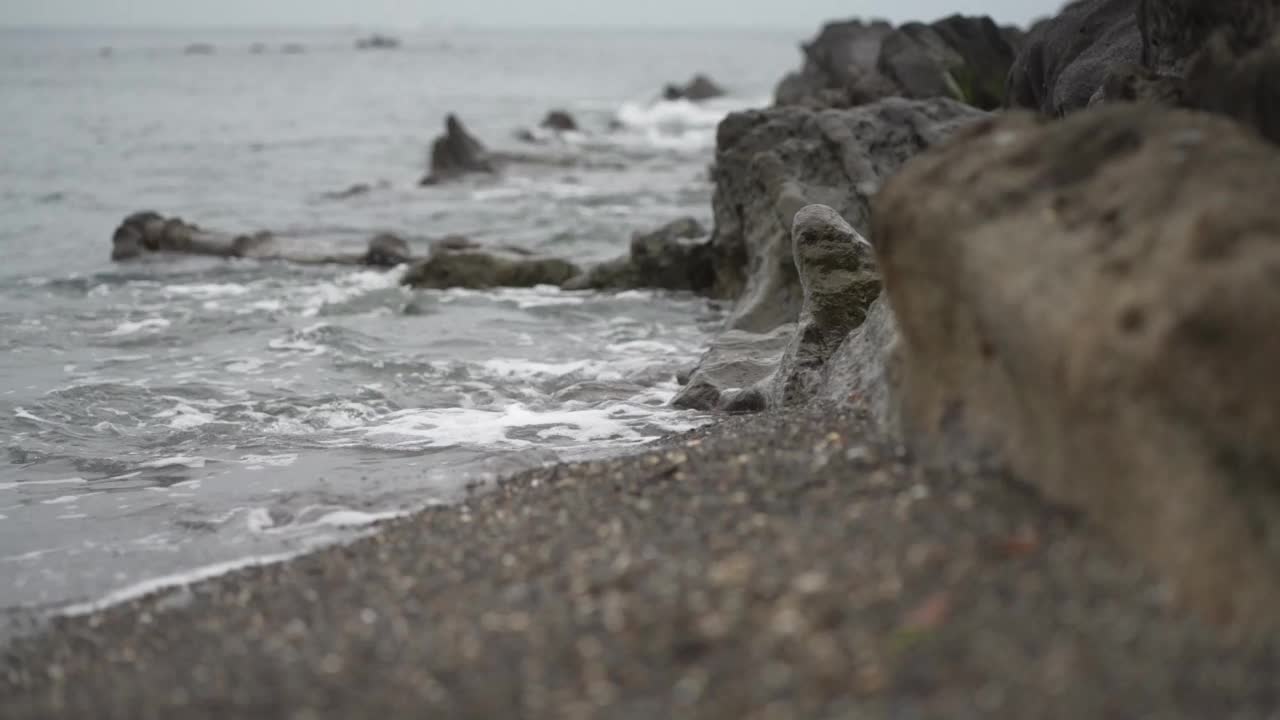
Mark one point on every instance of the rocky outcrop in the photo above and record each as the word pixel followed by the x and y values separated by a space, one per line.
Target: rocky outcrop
pixel 147 233
pixel 852 63
pixel 458 262
pixel 1066 60
pixel 457 153
pixel 732 375
pixel 1093 303
pixel 838 273
pixel 673 257
pixel 771 163
pixel 699 88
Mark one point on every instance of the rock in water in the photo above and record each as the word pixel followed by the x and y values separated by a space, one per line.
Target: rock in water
pixel 673 257
pixel 560 121
pixel 387 250
pixel 1066 60
pixel 699 88
pixel 1094 302
pixel 466 265
pixel 838 273
pixel 456 153
pixel 838 68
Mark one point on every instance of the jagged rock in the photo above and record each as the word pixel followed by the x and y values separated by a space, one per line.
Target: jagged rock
pixel 699 88
pixel 673 257
pixel 771 163
pixel 838 273
pixel 965 58
pixel 852 63
pixel 729 374
pixel 1065 61
pixel 456 153
pixel 459 263
pixel 560 121
pixel 1094 303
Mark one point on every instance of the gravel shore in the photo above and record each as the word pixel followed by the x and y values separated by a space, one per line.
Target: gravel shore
pixel 774 566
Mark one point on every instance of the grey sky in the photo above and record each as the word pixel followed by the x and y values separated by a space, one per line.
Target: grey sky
pixel 412 13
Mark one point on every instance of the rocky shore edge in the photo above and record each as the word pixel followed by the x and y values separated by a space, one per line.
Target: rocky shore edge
pixel 1014 449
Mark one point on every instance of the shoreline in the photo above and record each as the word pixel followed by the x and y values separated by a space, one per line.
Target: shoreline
pixel 683 580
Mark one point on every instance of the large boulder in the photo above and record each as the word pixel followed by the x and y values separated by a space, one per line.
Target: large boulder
pixel 771 163
pixel 457 262
pixel 675 256
pixel 852 63
pixel 1066 60
pixel 456 153
pixel 1094 302
pixel 966 58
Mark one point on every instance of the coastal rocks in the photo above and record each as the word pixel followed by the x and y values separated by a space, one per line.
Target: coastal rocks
pixel 730 376
pixel 838 273
pixel 673 257
pixel 457 153
pixel 457 262
pixel 147 233
pixel 1093 302
pixel 697 89
pixel 771 163
pixel 1066 60
pixel 852 63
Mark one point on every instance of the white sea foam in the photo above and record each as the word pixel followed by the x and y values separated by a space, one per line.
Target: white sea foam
pixel 137 326
pixel 207 291
pixel 19 485
pixel 177 461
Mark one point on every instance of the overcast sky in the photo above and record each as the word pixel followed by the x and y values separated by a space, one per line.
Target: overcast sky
pixel 414 13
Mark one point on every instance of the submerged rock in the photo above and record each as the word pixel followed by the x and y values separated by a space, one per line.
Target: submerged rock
pixel 1093 302
pixel 461 263
pixel 697 89
pixel 838 273
pixel 456 153
pixel 676 256
pixel 377 42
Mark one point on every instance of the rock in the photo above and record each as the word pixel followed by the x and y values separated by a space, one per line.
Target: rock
pixel 839 67
pixel 862 373
pixel 468 266
pixel 771 163
pixel 198 49
pixel 456 153
pixel 1065 61
pixel 386 250
pixel 699 88
pixel 257 48
pixel 729 373
pixel 148 233
pixel 838 273
pixel 673 257
pixel 965 58
pixel 1094 303
pixel 293 49
pixel 560 121
pixel 377 42
pixel 853 63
